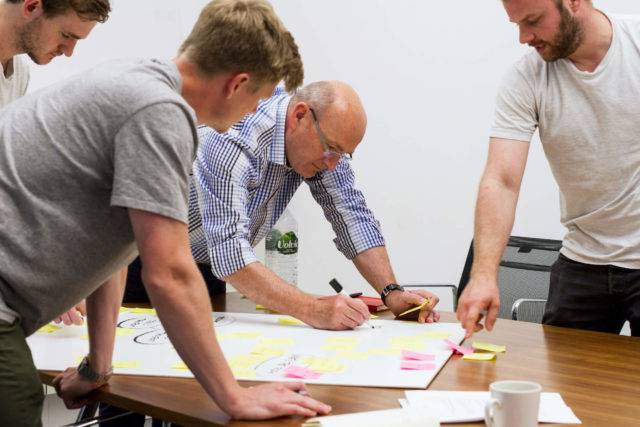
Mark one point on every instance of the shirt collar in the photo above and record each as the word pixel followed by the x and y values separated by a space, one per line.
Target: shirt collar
pixel 277 152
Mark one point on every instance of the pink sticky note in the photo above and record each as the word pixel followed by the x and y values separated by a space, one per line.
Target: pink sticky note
pixel 412 355
pixel 296 371
pixel 458 348
pixel 416 365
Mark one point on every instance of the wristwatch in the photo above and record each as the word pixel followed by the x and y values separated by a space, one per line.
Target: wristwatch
pixel 387 290
pixel 85 370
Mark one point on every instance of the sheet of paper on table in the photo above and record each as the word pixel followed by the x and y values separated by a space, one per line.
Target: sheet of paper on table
pixel 387 418
pixel 468 406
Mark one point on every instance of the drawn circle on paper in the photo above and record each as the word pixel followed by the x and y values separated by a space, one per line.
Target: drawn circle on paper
pixel 276 365
pixel 220 320
pixel 141 323
pixel 156 337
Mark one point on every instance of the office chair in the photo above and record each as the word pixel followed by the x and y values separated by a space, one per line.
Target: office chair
pixel 523 277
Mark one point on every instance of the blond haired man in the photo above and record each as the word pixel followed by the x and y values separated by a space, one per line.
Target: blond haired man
pixel 42 30
pixel 96 168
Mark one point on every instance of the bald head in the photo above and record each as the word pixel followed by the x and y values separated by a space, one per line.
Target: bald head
pixel 337 106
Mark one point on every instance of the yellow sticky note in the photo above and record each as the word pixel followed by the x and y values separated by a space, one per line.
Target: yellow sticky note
pixel 337 346
pixel 267 351
pixel 435 335
pixel 260 307
pixel 352 355
pixel 289 321
pixel 181 366
pixel 479 356
pixel 488 347
pixel 123 332
pixel 245 361
pixel 243 373
pixel 420 307
pixel 47 329
pixel 373 316
pixel 124 309
pixel 77 360
pixel 126 364
pixel 341 340
pixel 385 351
pixel 139 310
pixel 413 343
pixel 277 342
pixel 323 364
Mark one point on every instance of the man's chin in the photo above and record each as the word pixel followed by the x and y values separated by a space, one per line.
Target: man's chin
pixel 40 60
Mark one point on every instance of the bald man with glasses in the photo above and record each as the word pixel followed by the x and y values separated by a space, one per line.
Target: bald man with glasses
pixel 245 178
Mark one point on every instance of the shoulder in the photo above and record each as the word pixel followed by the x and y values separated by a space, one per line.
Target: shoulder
pixel 627 25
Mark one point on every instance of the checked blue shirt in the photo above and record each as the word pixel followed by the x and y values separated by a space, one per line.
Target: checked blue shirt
pixel 243 184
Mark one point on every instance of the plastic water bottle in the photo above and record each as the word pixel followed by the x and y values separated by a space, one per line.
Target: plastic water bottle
pixel 281 248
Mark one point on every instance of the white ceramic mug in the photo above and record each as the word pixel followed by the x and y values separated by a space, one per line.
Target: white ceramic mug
pixel 513 404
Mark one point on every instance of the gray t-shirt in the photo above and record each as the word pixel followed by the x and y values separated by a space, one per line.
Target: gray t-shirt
pixel 589 126
pixel 14 84
pixel 73 156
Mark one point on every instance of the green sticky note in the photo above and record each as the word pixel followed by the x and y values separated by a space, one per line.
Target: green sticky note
pixel 488 347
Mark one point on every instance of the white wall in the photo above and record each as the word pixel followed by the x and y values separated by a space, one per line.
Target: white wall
pixel 427 72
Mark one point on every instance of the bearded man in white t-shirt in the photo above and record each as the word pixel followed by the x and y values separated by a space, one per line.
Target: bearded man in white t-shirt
pixel 580 89
pixel 41 29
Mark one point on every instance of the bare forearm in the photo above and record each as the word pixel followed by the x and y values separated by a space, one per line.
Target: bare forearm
pixel 375 267
pixel 182 302
pixel 495 212
pixel 103 306
pixel 263 286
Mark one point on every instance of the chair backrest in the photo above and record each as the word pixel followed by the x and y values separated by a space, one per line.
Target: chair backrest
pixel 524 270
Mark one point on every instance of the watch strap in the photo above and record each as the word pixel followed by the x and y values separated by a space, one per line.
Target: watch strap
pixel 86 371
pixel 388 289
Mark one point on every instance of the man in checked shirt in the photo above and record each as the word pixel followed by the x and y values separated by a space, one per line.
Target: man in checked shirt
pixel 246 177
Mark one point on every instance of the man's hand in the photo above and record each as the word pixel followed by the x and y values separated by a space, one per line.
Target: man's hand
pixel 73 316
pixel 478 296
pixel 73 388
pixel 399 302
pixel 337 312
pixel 273 400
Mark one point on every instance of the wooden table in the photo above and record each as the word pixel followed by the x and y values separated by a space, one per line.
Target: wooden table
pixel 597 375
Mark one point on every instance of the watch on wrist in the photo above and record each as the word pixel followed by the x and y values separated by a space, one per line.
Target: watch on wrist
pixel 388 289
pixel 86 371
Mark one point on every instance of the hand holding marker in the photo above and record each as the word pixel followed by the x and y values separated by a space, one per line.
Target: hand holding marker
pixel 340 290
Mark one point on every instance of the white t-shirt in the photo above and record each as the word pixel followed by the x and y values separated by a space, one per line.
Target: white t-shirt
pixel 14 86
pixel 589 125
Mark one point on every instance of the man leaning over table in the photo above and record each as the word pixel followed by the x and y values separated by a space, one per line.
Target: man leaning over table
pixel 96 169
pixel 581 90
pixel 245 179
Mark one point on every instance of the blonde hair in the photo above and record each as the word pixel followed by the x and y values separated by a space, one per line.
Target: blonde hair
pixel 244 36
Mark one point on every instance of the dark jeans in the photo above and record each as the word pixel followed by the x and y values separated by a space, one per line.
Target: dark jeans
pixel 135 293
pixel 594 297
pixel 21 393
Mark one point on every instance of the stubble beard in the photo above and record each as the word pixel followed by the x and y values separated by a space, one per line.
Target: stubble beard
pixel 569 37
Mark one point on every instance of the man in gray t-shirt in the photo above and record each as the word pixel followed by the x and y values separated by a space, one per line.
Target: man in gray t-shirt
pixel 94 170
pixel 580 91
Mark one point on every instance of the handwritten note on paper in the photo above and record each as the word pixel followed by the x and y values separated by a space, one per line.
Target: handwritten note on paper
pixel 297 371
pixel 479 356
pixel 416 365
pixel 412 355
pixel 488 347
pixel 47 329
pixel 458 348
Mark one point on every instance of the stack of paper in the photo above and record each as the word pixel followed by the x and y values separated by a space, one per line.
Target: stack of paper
pixel 468 406
pixel 388 418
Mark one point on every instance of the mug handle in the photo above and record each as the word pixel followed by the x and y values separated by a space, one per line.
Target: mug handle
pixel 489 411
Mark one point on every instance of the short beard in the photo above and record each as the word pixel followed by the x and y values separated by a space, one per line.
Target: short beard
pixel 28 39
pixel 569 37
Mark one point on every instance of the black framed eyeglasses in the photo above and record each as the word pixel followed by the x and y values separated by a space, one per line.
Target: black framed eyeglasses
pixel 329 153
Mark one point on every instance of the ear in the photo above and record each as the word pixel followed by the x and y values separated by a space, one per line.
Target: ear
pixel 32 9
pixel 299 110
pixel 235 83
